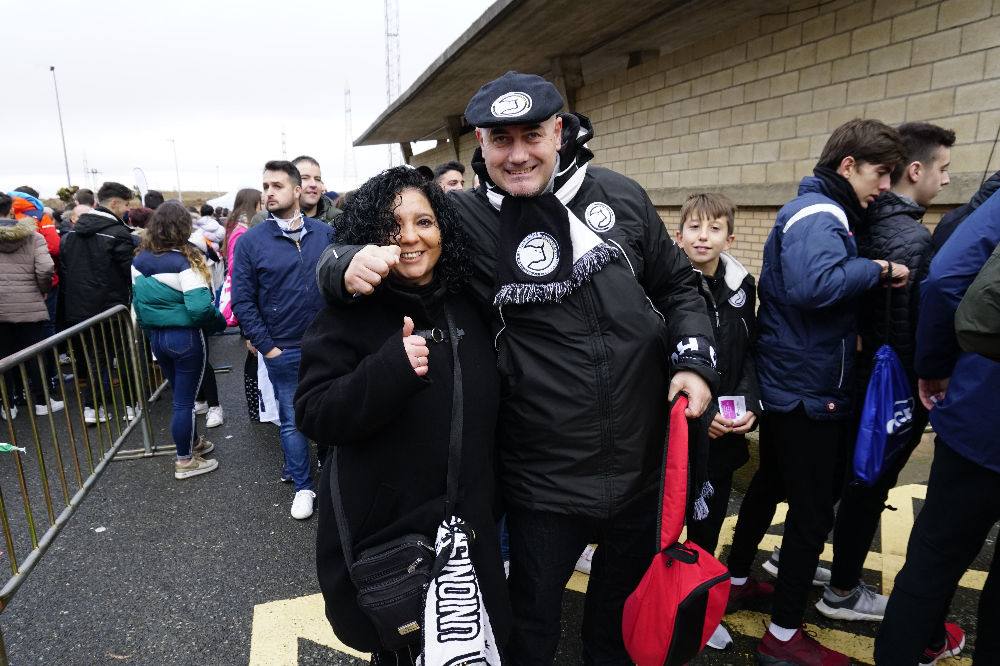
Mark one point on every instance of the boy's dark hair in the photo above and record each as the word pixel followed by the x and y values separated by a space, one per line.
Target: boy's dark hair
pixel 27 189
pixel 206 210
pixel 711 205
pixel 153 199
pixel 870 141
pixel 112 190
pixel 6 203
pixel 921 140
pixel 85 197
pixel 285 167
pixel 453 165
pixel 306 158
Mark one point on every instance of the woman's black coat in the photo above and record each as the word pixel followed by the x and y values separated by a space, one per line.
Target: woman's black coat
pixel 358 392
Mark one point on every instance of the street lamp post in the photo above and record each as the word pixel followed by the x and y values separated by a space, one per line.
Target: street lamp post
pixel 62 132
pixel 177 171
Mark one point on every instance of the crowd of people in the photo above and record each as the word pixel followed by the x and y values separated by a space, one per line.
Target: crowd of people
pixel 492 366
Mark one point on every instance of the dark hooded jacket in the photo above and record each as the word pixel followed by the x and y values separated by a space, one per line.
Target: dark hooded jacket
pixel 97 265
pixel 584 381
pixel 893 232
pixel 950 220
pixel 732 300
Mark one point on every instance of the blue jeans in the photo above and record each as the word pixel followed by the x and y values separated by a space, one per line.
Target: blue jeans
pixel 283 371
pixel 181 355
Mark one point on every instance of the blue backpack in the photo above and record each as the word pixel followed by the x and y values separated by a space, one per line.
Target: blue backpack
pixel 886 417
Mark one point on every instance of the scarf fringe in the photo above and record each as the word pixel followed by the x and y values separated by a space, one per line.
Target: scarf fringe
pixel 521 293
pixel 701 504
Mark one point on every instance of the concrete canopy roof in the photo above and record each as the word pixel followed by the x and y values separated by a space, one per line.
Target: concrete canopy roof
pixel 530 35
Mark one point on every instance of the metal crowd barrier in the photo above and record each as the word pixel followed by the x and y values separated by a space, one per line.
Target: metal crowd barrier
pixel 102 373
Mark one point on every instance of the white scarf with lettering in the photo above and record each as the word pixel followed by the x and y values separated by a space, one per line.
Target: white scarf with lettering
pixel 457 629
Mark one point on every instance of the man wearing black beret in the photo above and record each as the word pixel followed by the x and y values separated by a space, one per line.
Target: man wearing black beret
pixel 600 323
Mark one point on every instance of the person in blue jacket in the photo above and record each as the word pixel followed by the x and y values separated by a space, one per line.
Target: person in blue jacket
pixel 963 493
pixel 275 298
pixel 810 285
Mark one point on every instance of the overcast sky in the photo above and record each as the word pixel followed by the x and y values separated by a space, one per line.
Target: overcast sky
pixel 223 78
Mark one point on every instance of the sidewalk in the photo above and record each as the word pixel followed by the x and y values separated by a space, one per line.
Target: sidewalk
pixel 214 570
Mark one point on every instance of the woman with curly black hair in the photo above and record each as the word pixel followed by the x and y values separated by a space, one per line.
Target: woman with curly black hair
pixel 376 385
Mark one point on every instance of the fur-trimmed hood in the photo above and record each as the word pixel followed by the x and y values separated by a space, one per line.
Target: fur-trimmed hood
pixel 14 233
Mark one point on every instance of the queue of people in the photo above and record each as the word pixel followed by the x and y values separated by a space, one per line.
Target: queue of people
pixel 495 364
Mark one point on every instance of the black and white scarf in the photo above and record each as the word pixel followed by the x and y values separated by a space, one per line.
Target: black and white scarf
pixel 457 629
pixel 545 251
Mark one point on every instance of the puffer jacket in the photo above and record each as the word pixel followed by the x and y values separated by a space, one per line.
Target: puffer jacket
pixel 27 206
pixel 810 287
pixel 170 293
pixel 893 232
pixel 209 227
pixel 25 272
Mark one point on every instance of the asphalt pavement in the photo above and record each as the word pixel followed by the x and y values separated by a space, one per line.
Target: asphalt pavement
pixel 214 570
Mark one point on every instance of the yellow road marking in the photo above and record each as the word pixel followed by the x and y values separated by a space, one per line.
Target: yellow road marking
pixel 278 626
pixel 858 648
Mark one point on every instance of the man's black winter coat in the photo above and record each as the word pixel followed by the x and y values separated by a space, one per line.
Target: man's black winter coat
pixel 96 265
pixel 358 392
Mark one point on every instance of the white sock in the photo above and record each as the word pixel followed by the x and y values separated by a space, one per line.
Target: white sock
pixel 781 633
pixel 739 581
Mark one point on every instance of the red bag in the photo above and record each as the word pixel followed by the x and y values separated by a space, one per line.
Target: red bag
pixel 682 597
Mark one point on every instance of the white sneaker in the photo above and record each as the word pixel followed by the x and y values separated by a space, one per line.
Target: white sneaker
pixel 821 576
pixel 200 407
pixel 53 407
pixel 302 505
pixel 13 413
pixel 215 418
pixel 129 413
pixel 194 467
pixel 90 416
pixel 583 564
pixel 720 640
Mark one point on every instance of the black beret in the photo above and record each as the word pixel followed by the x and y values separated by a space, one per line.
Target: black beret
pixel 513 99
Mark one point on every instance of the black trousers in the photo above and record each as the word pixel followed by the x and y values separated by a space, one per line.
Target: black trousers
pixel 209 391
pixel 543 549
pixel 14 338
pixel 860 510
pixel 705 532
pixel 802 461
pixel 962 505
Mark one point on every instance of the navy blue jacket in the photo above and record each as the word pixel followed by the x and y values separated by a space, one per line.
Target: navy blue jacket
pixel 810 285
pixel 275 296
pixel 964 419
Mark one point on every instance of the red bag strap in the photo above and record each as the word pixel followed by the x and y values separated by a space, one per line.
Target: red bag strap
pixel 674 479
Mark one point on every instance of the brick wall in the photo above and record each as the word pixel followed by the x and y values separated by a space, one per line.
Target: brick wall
pixel 758 108
pixel 747 113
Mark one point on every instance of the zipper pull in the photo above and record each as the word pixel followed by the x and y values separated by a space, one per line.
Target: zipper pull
pixel 413 567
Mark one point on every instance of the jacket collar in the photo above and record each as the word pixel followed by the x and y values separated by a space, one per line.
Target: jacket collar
pixel 735 271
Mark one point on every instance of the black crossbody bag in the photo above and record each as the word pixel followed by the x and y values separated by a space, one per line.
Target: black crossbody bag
pixel 392 578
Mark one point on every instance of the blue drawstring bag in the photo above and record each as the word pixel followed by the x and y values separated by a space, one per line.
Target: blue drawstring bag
pixel 886 418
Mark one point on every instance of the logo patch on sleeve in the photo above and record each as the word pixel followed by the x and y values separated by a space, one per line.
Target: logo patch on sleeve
pixel 738 299
pixel 599 216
